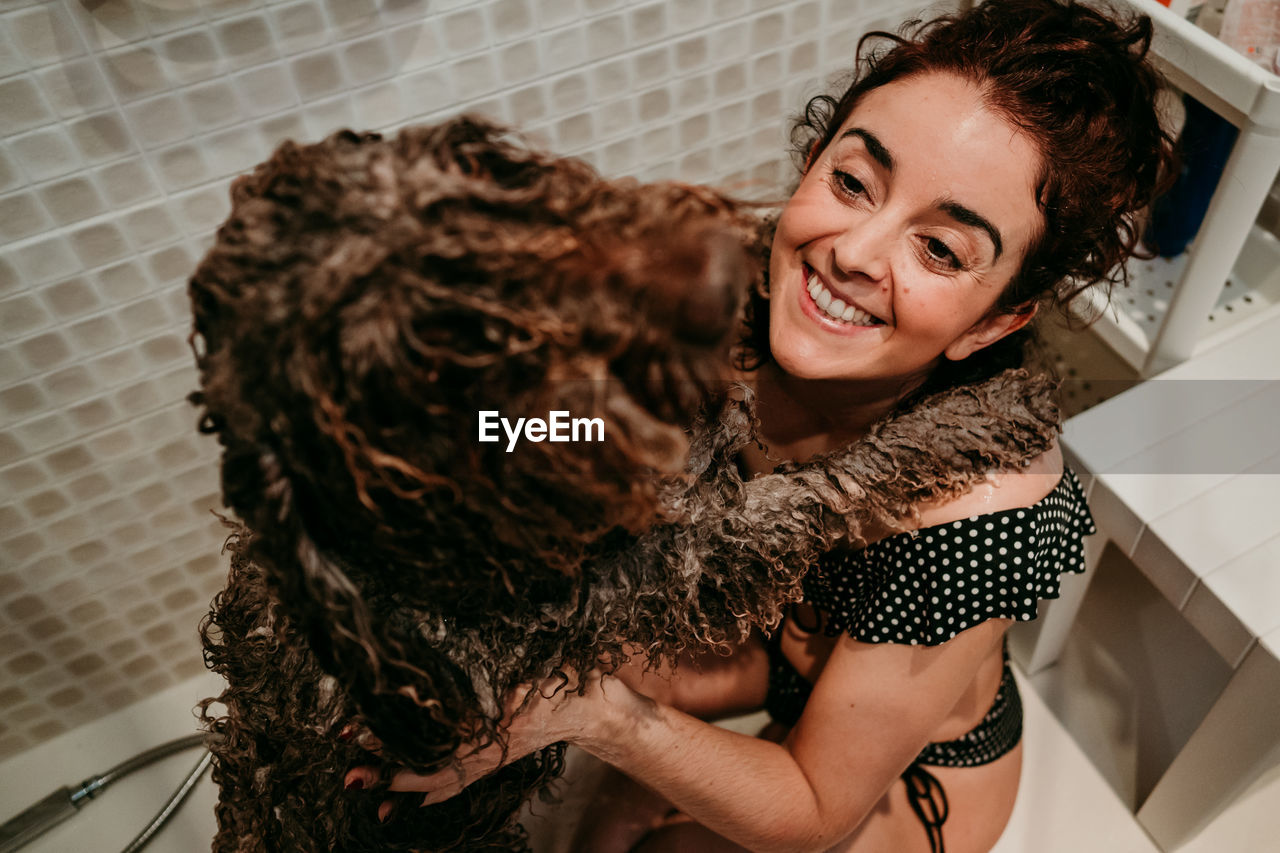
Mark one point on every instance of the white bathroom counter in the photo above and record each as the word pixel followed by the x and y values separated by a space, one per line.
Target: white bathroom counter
pixel 1183 475
pixel 111 820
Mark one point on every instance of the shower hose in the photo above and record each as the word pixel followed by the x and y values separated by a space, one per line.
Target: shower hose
pixel 66 801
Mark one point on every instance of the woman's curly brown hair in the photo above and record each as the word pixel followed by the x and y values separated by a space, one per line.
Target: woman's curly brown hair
pixel 366 298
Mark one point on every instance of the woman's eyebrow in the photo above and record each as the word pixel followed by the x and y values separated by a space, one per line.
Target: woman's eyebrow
pixel 874 146
pixel 965 216
pixel 957 211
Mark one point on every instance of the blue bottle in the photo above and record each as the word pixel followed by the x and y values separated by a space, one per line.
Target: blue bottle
pixel 1205 144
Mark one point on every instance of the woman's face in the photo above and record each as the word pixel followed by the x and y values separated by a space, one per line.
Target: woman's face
pixel 907 227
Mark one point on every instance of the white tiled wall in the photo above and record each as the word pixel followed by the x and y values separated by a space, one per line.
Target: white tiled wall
pixel 122 123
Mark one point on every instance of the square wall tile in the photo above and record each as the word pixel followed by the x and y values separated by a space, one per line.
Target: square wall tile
pixel 427 91
pixel 135 71
pixel 72 199
pixel 463 32
pixel 606 36
pixel 150 226
pixel 160 120
pixel 379 107
pixel 110 23
pixel 564 48
pixel 201 210
pixel 75 87
pixel 182 166
pixel 21 215
pixel 353 17
pixel 23 105
pixel 39 261
pixel 299 26
pixel 126 181
pixel 265 90
pixel 214 104
pixel 22 315
pixel 246 41
pixel 317 75
pixel 166 17
pixel 190 56
pixel 367 59
pixel 123 281
pixel 648 23
pixel 328 116
pixel 511 19
pixel 415 46
pixel 99 244
pixel 101 137
pixel 45 153
pixel 70 298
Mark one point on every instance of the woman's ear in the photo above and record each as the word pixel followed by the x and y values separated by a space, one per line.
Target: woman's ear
pixel 988 330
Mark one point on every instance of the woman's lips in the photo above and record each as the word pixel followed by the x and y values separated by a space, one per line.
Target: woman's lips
pixel 832 313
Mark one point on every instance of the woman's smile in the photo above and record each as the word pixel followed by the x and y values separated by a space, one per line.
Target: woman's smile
pixel 833 309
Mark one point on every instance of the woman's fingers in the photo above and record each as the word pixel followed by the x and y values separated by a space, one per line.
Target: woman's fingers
pixel 526 731
pixel 359 778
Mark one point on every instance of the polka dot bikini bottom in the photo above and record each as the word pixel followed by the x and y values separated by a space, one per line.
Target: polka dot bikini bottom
pixel 997 734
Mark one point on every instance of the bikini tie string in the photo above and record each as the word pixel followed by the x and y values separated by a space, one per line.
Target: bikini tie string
pixel 929 802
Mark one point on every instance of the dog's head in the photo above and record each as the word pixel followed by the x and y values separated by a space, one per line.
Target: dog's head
pixel 365 302
pixel 369 298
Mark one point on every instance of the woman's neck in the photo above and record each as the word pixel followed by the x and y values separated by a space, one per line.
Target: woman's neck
pixel 802 417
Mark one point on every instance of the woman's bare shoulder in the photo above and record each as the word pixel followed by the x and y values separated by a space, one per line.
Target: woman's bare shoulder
pixel 1001 491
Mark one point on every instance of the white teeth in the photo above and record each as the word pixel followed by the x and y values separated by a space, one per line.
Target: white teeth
pixel 836 308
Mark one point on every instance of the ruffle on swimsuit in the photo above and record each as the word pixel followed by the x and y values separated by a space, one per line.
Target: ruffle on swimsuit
pixel 925 586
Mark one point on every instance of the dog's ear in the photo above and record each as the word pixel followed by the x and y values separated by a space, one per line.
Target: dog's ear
pixel 709 311
pixel 697 284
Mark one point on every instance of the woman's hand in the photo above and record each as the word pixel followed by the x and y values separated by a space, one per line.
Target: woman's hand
pixel 555 711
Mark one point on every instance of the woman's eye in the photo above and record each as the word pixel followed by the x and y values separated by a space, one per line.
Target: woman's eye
pixel 940 251
pixel 848 184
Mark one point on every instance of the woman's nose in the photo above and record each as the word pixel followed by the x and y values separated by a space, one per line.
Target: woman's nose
pixel 863 249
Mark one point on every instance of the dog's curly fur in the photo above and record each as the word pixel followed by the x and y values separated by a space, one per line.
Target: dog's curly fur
pixel 367 298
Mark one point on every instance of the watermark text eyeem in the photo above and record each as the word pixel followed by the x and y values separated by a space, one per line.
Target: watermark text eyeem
pixel 558 426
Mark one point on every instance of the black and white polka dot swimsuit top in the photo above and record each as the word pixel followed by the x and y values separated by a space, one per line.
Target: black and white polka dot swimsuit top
pixel 923 587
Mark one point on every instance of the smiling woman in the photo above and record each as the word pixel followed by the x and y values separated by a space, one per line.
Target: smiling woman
pixel 982 167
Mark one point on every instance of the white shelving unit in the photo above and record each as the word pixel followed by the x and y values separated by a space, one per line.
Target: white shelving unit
pixel 1229 279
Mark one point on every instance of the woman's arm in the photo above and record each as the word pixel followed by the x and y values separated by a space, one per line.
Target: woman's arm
pixel 871 712
pixel 709 686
